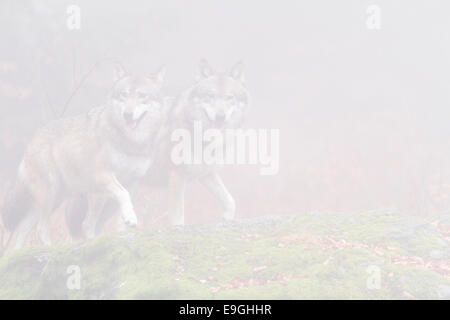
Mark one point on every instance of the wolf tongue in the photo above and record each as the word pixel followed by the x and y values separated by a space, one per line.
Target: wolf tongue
pixel 131 124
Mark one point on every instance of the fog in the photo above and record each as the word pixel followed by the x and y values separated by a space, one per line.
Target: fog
pixel 363 114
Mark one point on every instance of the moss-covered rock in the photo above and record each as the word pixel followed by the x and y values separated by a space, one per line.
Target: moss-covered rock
pixel 296 257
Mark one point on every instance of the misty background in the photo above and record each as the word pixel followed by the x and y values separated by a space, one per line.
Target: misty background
pixel 363 114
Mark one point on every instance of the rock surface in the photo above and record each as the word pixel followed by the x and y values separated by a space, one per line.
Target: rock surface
pixel 316 256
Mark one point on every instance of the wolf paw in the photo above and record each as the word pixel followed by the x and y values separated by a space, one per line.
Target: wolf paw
pixel 130 219
pixel 228 215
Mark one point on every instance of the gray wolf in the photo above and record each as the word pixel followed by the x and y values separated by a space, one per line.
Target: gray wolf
pixel 94 157
pixel 217 100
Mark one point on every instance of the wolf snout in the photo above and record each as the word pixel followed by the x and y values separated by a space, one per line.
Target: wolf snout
pixel 220 118
pixel 128 116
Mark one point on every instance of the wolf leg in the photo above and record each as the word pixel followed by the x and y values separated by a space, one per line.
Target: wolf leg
pixel 215 185
pixel 120 224
pixel 42 228
pixel 176 204
pixel 25 227
pixel 51 203
pixel 75 212
pixel 122 196
pixel 110 209
pixel 95 208
pixel 43 190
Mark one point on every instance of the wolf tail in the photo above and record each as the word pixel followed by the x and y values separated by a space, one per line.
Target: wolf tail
pixel 76 211
pixel 17 204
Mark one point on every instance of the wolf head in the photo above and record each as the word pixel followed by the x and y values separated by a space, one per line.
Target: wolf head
pixel 218 99
pixel 137 106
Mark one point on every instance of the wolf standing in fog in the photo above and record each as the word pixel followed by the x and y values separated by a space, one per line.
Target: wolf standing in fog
pixel 216 101
pixel 93 157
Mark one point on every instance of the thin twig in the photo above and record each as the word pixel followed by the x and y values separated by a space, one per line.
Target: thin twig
pixel 74 64
pixel 49 103
pixel 80 84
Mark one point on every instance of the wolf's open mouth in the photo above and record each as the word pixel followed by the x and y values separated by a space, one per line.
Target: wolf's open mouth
pixel 219 124
pixel 132 124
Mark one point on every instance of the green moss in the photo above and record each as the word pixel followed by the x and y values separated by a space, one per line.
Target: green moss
pixel 283 258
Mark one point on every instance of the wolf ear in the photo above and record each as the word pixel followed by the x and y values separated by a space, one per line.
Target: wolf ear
pixel 237 71
pixel 205 70
pixel 119 71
